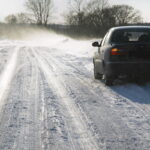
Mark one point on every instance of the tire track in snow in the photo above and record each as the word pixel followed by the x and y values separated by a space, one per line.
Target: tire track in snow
pixel 54 125
pixel 7 75
pixel 52 118
pixel 107 94
pixel 137 118
pixel 85 139
pixel 29 136
pixel 20 126
pixel 133 91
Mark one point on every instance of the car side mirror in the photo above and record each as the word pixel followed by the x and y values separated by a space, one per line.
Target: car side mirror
pixel 96 44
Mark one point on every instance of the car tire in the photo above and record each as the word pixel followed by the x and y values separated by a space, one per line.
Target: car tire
pixel 108 80
pixel 96 74
pixel 139 80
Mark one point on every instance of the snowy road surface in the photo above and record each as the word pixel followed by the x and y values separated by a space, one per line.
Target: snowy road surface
pixel 49 100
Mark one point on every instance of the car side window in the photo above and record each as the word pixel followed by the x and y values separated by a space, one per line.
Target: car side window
pixel 106 39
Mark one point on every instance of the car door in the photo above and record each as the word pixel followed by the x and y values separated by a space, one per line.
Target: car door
pixel 101 52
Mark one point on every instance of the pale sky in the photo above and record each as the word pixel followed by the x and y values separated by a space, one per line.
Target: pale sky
pixel 15 6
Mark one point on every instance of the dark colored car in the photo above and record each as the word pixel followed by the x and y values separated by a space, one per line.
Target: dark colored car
pixel 123 51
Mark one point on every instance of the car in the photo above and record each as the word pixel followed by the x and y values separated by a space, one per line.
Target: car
pixel 124 51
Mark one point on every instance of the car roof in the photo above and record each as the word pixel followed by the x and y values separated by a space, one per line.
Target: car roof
pixel 129 27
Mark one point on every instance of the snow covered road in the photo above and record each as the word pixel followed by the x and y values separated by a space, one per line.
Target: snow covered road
pixel 49 100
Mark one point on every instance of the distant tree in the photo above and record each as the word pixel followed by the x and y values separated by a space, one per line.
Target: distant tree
pixel 107 19
pixel 97 16
pixel 11 19
pixel 96 5
pixel 76 12
pixel 40 9
pixel 95 12
pixel 23 18
pixel 82 13
pixel 125 14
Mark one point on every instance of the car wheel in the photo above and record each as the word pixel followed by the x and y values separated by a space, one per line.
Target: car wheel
pixel 139 80
pixel 96 74
pixel 108 80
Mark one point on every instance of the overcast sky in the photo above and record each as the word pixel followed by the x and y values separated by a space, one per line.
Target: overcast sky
pixel 14 6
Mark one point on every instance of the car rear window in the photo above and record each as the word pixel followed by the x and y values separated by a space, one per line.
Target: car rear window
pixel 131 35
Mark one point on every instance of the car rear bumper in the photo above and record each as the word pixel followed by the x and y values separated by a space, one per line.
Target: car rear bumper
pixel 127 68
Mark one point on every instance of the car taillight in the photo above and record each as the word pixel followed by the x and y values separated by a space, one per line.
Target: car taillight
pixel 116 51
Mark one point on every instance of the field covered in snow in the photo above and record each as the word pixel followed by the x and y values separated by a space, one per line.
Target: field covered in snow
pixel 49 100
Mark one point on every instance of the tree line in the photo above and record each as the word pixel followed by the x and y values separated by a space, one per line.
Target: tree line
pixel 95 16
pixel 100 13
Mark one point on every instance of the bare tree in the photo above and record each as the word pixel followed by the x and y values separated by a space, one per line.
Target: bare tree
pixel 23 18
pixel 97 16
pixel 77 5
pixel 125 14
pixel 96 5
pixel 95 12
pixel 40 9
pixel 11 19
pixel 82 12
pixel 76 12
